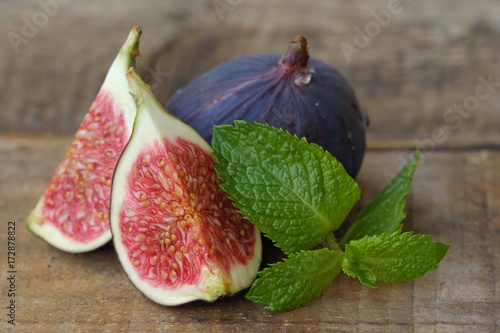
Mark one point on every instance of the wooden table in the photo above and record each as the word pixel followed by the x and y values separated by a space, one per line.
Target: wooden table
pixel 411 77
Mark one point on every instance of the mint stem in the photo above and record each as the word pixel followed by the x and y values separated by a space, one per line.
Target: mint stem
pixel 331 242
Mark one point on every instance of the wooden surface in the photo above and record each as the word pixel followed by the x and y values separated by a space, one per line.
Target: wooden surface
pixel 426 60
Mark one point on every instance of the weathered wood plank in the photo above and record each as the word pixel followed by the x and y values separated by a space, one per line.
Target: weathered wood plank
pixel 427 58
pixel 454 197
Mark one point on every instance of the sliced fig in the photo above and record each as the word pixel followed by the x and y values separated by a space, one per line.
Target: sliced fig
pixel 73 212
pixel 176 233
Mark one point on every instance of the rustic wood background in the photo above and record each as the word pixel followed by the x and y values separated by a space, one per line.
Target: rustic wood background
pixel 430 58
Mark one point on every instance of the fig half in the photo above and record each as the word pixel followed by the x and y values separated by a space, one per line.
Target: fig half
pixel 177 235
pixel 73 211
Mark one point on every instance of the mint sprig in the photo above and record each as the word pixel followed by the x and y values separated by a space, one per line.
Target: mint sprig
pixel 298 195
pixel 392 258
pixel 387 211
pixel 297 280
pixel 292 191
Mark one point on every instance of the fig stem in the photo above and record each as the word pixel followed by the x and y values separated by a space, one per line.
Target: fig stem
pixel 297 55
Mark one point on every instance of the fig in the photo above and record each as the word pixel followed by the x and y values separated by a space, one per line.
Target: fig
pixel 73 211
pixel 299 94
pixel 176 233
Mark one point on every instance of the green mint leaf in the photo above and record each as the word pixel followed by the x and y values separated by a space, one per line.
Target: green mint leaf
pixel 392 257
pixel 293 191
pixel 387 211
pixel 296 281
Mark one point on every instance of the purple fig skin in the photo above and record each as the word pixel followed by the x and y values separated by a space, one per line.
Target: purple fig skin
pixel 299 94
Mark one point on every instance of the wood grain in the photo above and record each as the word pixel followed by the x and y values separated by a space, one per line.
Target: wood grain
pixel 89 292
pixel 427 59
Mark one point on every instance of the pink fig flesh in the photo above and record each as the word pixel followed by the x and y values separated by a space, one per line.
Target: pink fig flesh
pixel 177 219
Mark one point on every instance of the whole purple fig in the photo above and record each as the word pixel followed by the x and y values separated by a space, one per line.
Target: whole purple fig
pixel 300 95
